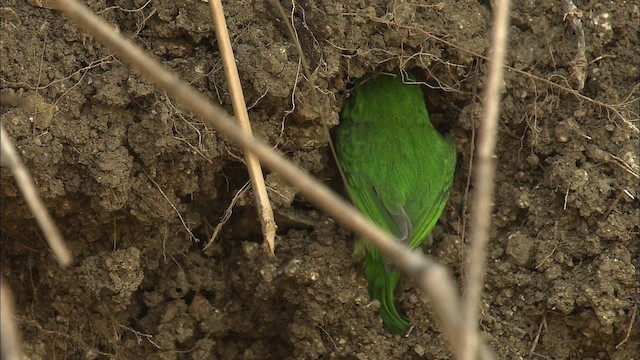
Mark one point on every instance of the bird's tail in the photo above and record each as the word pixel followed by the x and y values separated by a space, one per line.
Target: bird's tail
pixel 382 285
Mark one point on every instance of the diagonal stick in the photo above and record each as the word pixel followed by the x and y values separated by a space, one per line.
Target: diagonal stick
pixel 49 229
pixel 9 334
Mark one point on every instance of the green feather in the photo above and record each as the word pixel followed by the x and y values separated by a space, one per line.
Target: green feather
pixel 398 171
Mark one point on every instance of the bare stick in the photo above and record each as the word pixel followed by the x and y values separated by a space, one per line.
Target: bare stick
pixel 432 278
pixel 49 229
pixel 484 177
pixel 265 212
pixel 9 335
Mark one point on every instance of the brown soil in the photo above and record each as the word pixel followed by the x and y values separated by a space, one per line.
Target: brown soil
pixel 117 160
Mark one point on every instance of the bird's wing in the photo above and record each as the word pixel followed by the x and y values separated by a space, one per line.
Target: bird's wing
pixel 390 217
pixel 433 190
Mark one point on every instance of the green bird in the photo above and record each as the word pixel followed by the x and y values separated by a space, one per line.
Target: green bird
pixel 398 171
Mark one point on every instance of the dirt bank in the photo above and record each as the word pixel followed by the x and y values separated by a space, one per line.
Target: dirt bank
pixel 137 184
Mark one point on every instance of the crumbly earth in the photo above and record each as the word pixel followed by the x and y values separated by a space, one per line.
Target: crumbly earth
pixel 137 184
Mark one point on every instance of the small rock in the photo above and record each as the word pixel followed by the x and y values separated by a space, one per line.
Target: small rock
pixel 520 248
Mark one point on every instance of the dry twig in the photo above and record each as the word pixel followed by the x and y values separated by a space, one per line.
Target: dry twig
pixel 9 336
pixel 432 278
pixel 265 212
pixel 49 229
pixel 484 182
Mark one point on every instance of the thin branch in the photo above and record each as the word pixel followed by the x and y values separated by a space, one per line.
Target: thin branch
pixel 432 278
pixel 9 335
pixel 472 149
pixel 484 182
pixel 265 212
pixel 49 229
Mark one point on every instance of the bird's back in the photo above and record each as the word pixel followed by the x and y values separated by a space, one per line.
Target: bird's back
pixel 387 147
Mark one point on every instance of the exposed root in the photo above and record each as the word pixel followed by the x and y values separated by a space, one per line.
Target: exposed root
pixel 184 224
pixel 579 64
pixel 616 109
pixel 227 213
